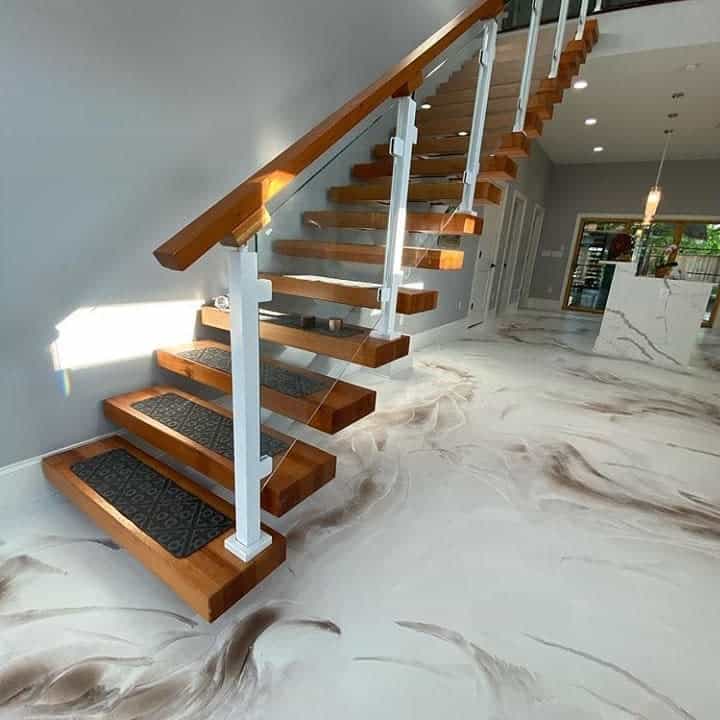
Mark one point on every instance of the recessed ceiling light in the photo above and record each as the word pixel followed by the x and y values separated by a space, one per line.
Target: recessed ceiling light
pixel 591 121
pixel 691 67
pixel 462 133
pixel 580 84
pixel 425 106
pixel 598 148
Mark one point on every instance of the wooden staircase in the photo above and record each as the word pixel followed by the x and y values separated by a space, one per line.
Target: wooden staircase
pixel 105 478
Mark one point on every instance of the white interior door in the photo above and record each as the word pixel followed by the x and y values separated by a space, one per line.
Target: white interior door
pixel 485 275
pixel 536 227
pixel 511 245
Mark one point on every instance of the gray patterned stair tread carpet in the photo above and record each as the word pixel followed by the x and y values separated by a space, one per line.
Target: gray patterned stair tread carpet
pixel 297 385
pixel 176 519
pixel 321 327
pixel 202 425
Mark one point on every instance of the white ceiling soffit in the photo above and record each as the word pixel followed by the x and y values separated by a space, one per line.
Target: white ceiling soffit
pixel 640 61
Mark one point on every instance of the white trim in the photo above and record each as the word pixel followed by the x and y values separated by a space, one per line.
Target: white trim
pixel 22 465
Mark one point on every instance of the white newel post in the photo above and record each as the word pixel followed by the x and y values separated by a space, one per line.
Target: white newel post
pixel 401 149
pixel 486 59
pixel 526 81
pixel 246 292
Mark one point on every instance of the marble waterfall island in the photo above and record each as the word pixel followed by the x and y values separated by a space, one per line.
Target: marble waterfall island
pixel 651 319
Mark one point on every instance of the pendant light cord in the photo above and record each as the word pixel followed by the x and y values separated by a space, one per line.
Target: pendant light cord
pixel 668 133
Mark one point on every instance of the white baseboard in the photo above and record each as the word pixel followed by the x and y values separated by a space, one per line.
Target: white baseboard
pixel 541 304
pixel 443 333
pixel 24 465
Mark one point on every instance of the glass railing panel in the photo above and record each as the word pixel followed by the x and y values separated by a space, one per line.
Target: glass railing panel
pixel 324 251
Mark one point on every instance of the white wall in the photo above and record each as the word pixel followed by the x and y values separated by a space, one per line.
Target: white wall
pixel 121 121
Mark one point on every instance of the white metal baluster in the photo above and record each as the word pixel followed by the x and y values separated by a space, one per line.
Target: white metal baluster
pixel 598 6
pixel 559 38
pixel 246 292
pixel 486 59
pixel 401 148
pixel 581 19
pixel 526 81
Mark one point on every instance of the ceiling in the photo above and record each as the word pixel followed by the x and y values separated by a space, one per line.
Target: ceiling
pixel 631 96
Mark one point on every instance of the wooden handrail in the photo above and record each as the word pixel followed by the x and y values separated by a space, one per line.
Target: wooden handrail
pixel 242 212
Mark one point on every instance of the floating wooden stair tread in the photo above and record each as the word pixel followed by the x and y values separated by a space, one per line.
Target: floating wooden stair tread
pixel 434 223
pixel 498 167
pixel 485 192
pixel 322 402
pixel 513 145
pixel 410 300
pixel 210 579
pixel 358 347
pixel 420 257
pixel 501 122
pixel 541 104
pixel 199 434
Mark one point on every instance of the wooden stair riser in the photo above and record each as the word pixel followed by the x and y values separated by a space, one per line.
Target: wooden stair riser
pixel 450 192
pixel 498 167
pixel 433 223
pixel 575 51
pixel 496 124
pixel 499 121
pixel 329 411
pixel 415 257
pixel 361 349
pixel 570 61
pixel 296 474
pixel 469 82
pixel 512 145
pixel 410 301
pixel 537 103
pixel 209 580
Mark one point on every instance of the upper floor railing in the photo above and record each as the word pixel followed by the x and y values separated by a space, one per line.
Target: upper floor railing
pixel 518 12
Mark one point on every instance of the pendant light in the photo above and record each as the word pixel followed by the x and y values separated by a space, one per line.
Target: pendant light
pixel 655 195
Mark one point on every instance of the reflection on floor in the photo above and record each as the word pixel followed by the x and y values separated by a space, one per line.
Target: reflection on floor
pixel 522 531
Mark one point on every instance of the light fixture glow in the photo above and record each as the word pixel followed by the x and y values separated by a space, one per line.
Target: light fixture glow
pixel 425 106
pixel 591 121
pixel 107 334
pixel 580 84
pixel 598 148
pixel 652 203
pixel 691 67
pixel 462 133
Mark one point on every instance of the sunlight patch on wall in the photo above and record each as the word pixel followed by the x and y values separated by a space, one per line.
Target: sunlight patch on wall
pixel 93 336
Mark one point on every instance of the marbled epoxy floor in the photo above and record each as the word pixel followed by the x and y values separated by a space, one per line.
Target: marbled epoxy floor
pixel 521 531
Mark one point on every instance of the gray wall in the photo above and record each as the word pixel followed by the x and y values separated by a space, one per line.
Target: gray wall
pixel 689 188
pixel 121 121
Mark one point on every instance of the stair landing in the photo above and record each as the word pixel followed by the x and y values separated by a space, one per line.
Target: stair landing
pixel 210 580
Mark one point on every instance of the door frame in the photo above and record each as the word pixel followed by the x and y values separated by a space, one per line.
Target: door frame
pixel 481 298
pixel 508 269
pixel 533 245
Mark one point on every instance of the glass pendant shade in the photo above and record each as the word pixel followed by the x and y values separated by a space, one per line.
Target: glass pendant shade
pixel 652 203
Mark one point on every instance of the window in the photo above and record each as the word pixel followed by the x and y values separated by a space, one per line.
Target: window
pixel 694 246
